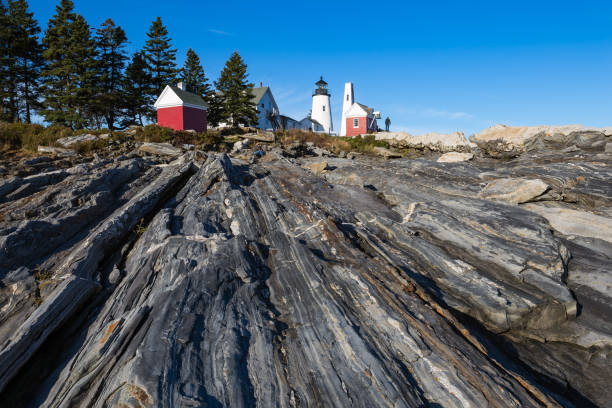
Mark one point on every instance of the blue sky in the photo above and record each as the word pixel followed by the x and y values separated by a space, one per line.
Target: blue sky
pixel 429 65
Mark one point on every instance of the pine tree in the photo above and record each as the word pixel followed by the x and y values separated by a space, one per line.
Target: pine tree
pixel 71 74
pixel 136 83
pixel 88 74
pixel 215 110
pixel 236 93
pixel 10 68
pixel 28 57
pixel 193 75
pixel 194 78
pixel 5 44
pixel 110 42
pixel 160 57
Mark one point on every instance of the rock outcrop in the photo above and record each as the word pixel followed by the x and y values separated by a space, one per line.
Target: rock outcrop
pixel 71 140
pixel 135 282
pixel 433 141
pixel 510 141
pixel 161 149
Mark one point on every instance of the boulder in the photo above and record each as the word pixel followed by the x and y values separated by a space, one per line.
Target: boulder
pixel 69 141
pixel 260 136
pixel 514 190
pixel 608 148
pixel 502 140
pixel 454 157
pixel 57 151
pixel 386 153
pixel 239 145
pixel 161 149
pixel 317 168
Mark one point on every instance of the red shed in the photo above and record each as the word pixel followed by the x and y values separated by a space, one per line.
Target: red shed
pixel 360 120
pixel 180 109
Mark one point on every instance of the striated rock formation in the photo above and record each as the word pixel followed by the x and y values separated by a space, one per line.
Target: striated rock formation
pixel 507 141
pixel 134 282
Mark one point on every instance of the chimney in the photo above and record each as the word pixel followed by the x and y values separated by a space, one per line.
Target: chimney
pixel 181 86
pixel 261 84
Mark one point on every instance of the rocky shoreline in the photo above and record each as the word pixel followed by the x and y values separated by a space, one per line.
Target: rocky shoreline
pixel 165 277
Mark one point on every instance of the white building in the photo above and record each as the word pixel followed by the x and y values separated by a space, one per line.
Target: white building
pixel 347 101
pixel 321 110
pixel 357 119
pixel 308 123
pixel 287 123
pixel 267 110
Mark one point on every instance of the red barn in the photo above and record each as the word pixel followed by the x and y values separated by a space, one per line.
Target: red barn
pixel 180 109
pixel 360 120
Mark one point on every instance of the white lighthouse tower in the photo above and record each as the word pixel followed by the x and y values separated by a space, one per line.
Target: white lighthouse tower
pixel 321 111
pixel 347 102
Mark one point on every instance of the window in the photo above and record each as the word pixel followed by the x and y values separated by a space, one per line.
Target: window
pixel 323 108
pixel 355 123
pixel 347 97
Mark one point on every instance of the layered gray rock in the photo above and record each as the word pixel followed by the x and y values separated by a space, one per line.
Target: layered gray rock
pixel 374 283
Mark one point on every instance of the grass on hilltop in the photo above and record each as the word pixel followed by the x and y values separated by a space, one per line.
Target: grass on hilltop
pixel 335 144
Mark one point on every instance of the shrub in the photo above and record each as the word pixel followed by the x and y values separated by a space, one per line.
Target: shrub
pixel 90 146
pixel 154 133
pixel 30 136
pixel 364 144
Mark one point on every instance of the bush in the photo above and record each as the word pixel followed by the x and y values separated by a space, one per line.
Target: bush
pixel 154 133
pixel 363 144
pixel 90 146
pixel 30 136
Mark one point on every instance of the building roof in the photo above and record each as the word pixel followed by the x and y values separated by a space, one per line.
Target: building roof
pixel 258 93
pixel 365 108
pixel 188 97
pixel 359 110
pixel 311 120
pixel 321 82
pixel 287 117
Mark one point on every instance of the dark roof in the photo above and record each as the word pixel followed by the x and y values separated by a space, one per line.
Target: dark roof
pixel 258 93
pixel 188 97
pixel 287 117
pixel 321 82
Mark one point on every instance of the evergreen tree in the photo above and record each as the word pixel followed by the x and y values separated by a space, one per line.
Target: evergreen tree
pixel 5 43
pixel 71 74
pixel 215 110
pixel 160 57
pixel 88 74
pixel 236 93
pixel 110 42
pixel 193 75
pixel 136 83
pixel 28 57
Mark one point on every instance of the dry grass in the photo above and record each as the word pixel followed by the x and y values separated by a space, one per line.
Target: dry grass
pixel 334 144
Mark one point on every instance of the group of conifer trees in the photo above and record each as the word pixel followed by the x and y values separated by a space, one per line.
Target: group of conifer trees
pixel 82 78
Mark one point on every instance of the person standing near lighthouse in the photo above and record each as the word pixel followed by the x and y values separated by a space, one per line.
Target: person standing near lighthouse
pixel 321 111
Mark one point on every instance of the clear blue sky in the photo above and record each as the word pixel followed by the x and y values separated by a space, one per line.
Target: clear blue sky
pixel 429 65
